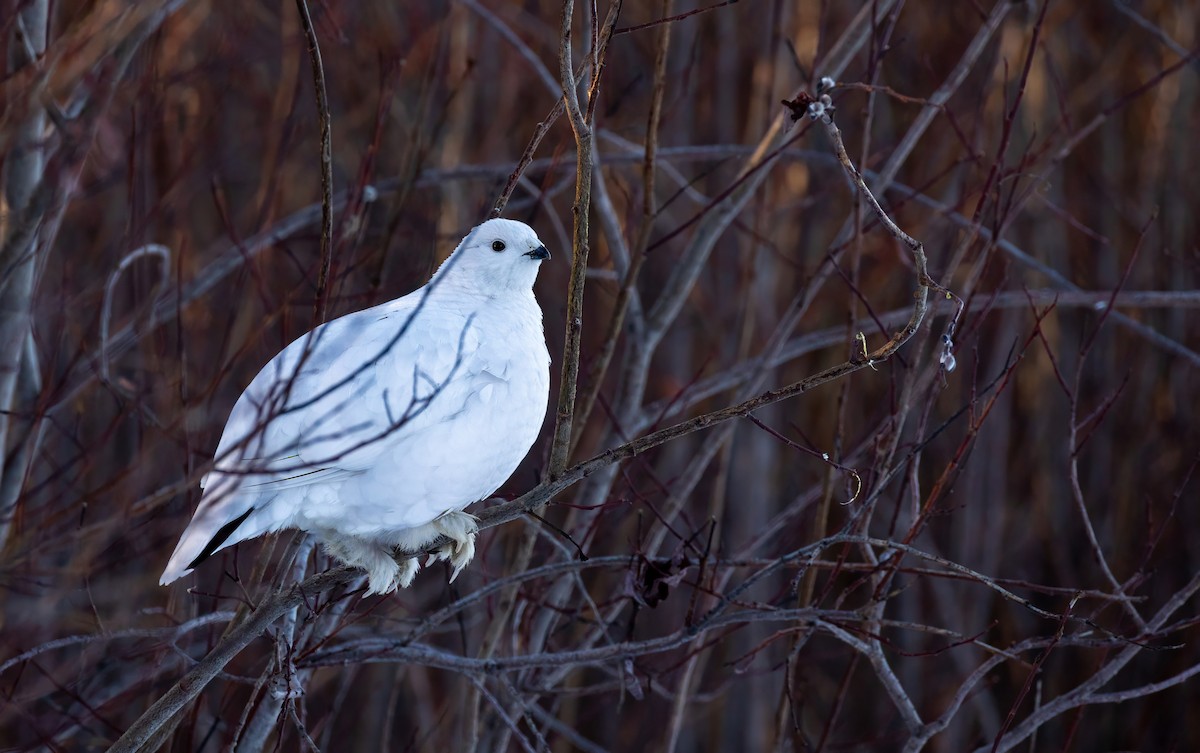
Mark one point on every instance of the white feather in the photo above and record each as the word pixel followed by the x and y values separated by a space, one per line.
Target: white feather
pixel 373 426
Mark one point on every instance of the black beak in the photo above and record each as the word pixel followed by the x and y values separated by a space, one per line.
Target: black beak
pixel 540 253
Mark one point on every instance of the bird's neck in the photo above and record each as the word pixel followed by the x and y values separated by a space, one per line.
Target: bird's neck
pixel 465 286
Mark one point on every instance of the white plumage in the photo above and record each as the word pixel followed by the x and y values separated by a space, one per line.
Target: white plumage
pixel 375 430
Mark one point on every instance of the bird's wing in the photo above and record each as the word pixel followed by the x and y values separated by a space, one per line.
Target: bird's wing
pixel 332 400
pixel 326 407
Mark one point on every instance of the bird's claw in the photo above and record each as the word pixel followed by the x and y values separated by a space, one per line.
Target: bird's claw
pixel 460 527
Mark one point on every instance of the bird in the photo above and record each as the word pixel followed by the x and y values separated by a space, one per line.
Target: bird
pixel 375 430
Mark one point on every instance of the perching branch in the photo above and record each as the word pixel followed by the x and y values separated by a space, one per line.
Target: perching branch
pixel 190 685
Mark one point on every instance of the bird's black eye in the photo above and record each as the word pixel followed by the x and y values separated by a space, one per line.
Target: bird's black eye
pixel 497 246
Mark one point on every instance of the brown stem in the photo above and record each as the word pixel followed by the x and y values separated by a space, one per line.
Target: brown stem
pixel 318 72
pixel 616 323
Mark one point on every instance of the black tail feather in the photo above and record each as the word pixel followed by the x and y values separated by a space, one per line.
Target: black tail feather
pixel 219 538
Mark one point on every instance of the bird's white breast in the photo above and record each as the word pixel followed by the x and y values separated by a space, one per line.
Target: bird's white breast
pixel 487 388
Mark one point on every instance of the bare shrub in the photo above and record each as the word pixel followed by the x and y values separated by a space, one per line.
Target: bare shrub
pixel 783 504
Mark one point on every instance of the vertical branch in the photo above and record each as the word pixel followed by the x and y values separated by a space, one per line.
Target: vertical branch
pixel 29 390
pixel 560 449
pixel 34 205
pixel 24 168
pixel 564 416
pixel 318 72
pixel 649 209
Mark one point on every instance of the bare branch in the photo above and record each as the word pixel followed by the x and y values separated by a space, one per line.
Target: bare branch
pixel 323 117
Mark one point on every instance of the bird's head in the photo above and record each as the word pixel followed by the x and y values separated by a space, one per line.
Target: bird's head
pixel 497 255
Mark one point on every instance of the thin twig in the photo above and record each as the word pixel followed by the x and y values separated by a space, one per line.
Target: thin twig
pixel 581 126
pixel 616 324
pixel 318 73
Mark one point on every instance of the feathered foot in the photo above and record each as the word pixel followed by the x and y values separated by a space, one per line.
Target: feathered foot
pixel 384 573
pixel 460 527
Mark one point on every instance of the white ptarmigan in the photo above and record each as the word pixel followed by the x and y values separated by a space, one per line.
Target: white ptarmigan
pixel 375 430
